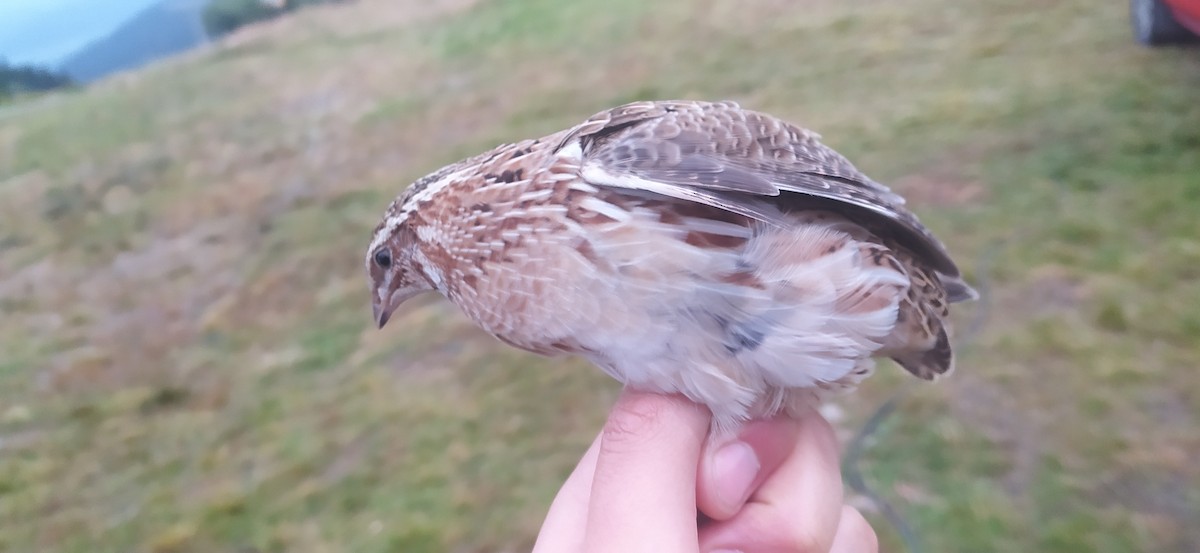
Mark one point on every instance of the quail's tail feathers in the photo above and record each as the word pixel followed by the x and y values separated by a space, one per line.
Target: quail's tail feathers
pixel 957 289
pixel 932 363
pixel 921 341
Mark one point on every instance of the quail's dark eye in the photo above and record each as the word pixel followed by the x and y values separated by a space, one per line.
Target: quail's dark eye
pixel 383 258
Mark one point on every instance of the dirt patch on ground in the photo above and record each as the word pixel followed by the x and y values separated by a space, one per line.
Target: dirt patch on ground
pixel 1043 291
pixel 349 19
pixel 940 189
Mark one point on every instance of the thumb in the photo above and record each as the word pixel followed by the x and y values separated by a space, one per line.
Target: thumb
pixel 644 489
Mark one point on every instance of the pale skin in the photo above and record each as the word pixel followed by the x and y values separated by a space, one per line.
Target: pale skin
pixel 774 487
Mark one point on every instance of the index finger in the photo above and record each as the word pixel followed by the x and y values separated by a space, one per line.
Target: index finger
pixel 644 489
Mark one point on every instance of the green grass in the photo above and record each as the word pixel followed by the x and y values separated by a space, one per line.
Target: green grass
pixel 187 361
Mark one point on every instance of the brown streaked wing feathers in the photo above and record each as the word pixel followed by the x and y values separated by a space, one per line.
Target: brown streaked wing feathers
pixel 719 153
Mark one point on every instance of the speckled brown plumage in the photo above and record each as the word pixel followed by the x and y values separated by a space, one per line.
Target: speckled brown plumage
pixel 686 247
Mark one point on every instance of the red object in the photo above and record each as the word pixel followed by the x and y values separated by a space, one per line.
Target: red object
pixel 1187 13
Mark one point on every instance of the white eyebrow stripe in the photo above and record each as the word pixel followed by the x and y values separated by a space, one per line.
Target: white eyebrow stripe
pixel 394 221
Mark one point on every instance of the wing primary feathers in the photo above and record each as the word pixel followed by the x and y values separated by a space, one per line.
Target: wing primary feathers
pixel 745 162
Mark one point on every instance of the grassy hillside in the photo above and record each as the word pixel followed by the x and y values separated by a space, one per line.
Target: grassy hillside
pixel 186 356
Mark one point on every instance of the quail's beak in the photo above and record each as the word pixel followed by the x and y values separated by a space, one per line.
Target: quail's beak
pixel 381 313
pixel 383 309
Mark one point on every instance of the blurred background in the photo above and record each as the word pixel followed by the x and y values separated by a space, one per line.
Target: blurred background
pixel 187 361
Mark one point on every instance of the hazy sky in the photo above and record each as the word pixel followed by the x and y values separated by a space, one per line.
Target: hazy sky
pixel 43 31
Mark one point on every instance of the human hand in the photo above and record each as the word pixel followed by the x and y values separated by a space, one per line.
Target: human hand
pixel 651 475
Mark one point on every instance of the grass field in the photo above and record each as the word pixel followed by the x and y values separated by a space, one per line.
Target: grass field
pixel 186 356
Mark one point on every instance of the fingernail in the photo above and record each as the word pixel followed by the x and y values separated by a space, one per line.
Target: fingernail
pixel 736 465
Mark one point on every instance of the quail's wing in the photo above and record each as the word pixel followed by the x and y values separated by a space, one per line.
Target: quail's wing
pixel 740 160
